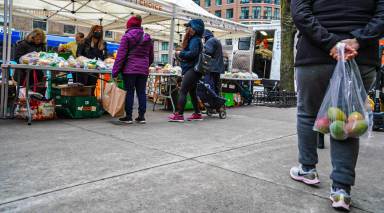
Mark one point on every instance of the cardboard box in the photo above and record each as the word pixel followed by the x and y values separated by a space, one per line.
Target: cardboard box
pixel 77 91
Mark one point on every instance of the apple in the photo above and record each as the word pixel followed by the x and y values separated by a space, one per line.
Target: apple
pixel 322 125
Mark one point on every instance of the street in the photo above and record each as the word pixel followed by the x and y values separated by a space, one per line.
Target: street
pixel 240 164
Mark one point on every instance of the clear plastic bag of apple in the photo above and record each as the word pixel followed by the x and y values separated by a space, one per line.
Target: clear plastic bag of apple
pixel 344 112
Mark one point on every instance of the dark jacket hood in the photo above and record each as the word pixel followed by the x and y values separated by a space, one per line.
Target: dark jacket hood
pixel 207 35
pixel 198 26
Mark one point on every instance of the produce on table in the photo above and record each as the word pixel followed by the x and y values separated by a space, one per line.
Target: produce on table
pixel 335 114
pixel 240 75
pixel 337 130
pixel 53 60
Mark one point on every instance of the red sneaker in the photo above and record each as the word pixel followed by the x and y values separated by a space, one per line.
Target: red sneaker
pixel 176 117
pixel 195 117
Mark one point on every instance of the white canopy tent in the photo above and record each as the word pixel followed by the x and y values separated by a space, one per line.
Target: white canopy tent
pixel 160 18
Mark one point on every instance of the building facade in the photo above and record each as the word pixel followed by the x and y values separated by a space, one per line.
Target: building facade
pixel 243 11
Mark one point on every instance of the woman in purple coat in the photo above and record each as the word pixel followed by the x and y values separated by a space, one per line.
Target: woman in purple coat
pixel 133 59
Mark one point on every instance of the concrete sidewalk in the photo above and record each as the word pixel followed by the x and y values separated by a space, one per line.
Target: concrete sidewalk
pixel 240 164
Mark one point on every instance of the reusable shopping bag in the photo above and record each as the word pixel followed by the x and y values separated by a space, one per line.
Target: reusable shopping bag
pixel 114 99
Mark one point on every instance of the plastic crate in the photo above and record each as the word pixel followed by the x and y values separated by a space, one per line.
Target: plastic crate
pixel 230 99
pixel 78 107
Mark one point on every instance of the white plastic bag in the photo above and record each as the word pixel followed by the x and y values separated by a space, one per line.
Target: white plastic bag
pixel 344 112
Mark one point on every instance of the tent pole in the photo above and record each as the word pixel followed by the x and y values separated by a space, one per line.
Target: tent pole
pixel 2 115
pixel 172 35
pixel 9 48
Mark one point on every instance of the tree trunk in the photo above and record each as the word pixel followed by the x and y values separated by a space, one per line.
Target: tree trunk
pixel 288 31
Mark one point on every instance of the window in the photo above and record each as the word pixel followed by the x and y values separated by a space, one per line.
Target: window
pixel 207 3
pixel 244 43
pixel 164 46
pixel 197 2
pixel 219 2
pixel 244 2
pixel 69 29
pixel 228 42
pixel 277 13
pixel 229 13
pixel 39 24
pixel 230 1
pixel 277 2
pixel 256 1
pixel 1 20
pixel 108 34
pixel 218 13
pixel 268 1
pixel 256 12
pixel 268 12
pixel 244 13
pixel 164 58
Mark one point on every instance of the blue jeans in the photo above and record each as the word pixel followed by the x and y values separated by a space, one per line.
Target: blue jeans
pixel 136 82
pixel 312 84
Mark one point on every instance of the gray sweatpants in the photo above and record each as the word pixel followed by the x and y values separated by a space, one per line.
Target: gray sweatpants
pixel 312 84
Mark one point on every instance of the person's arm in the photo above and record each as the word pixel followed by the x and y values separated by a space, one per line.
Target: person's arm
pixel 81 50
pixel 374 30
pixel 121 56
pixel 20 51
pixel 193 52
pixel 210 47
pixel 310 27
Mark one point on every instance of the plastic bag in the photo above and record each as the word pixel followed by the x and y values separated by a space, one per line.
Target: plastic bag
pixel 114 99
pixel 344 112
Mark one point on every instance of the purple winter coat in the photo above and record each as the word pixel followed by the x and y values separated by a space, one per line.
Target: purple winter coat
pixel 138 60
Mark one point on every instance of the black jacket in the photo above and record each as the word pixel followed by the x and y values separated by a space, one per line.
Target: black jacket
pixel 214 49
pixel 87 51
pixel 24 47
pixel 323 23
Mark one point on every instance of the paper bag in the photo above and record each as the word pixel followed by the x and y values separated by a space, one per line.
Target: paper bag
pixel 114 100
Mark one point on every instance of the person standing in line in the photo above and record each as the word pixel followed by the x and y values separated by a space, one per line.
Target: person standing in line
pixel 214 49
pixel 322 25
pixel 189 57
pixel 133 59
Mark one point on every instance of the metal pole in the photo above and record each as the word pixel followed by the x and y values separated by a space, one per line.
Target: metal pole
pixel 2 115
pixel 9 48
pixel 172 35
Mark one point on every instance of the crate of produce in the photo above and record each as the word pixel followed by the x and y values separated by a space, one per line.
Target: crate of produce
pixel 78 107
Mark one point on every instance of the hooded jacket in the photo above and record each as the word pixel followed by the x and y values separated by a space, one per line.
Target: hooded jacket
pixel 135 53
pixel 214 49
pixel 323 23
pixel 190 55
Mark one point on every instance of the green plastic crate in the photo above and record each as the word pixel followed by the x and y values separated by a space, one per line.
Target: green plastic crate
pixel 78 107
pixel 188 105
pixel 230 99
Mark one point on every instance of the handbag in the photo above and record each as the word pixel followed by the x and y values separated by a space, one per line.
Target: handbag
pixel 204 62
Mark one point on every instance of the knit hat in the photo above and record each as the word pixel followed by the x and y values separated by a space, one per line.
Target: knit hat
pixel 134 21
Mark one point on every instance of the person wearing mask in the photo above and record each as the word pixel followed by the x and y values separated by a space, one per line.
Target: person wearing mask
pixel 93 47
pixel 34 42
pixel 322 25
pixel 214 49
pixel 189 56
pixel 134 56
pixel 73 45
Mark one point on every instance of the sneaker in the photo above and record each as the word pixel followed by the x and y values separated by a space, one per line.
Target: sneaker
pixel 195 117
pixel 341 200
pixel 176 117
pixel 140 120
pixel 308 177
pixel 126 120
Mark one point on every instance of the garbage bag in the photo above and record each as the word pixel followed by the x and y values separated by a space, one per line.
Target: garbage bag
pixel 345 112
pixel 114 99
